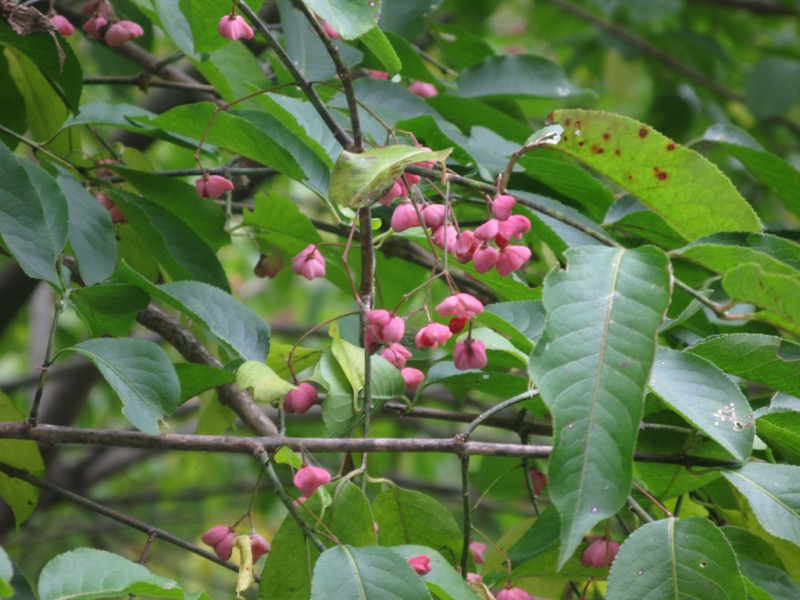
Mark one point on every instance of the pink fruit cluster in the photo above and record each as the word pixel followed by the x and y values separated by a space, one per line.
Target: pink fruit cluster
pixel 61 23
pixel 220 538
pixel 386 329
pixel 101 14
pixel 514 593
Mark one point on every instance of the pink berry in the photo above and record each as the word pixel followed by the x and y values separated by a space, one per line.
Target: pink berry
pixel 465 246
pixel 433 215
pixel 404 217
pixel 397 354
pixel 386 327
pixel 309 478
pixel 220 538
pixel 421 564
pixel 123 31
pixel 93 26
pixel 445 238
pixel 469 354
pixel 432 335
pixel 299 400
pixel 212 186
pixel 258 546
pixel 412 178
pixel 235 27
pixel 512 258
pixel 61 23
pixel 485 258
pixel 412 378
pixel 478 550
pixel 331 32
pixel 309 263
pixel 513 227
pixel 422 89
pixel 600 553
pixel 373 74
pixel 457 324
pixel 474 578
pixel 96 7
pixel 460 305
pixel 514 593
pixel 398 190
pixel 502 205
pixel 487 231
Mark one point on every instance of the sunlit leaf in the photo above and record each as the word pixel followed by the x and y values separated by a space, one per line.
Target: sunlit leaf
pixel 350 18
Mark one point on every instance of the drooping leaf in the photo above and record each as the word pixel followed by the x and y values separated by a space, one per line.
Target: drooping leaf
pixel 687 190
pixel 382 48
pixel 773 492
pixel 140 373
pixel 778 294
pixel 760 565
pixel 360 179
pixel 373 572
pixel 350 18
pixel 266 385
pixel 109 309
pixel 591 366
pixel 676 558
pixel 706 397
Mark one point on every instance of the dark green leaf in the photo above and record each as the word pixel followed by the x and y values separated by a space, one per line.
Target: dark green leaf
pixel 196 379
pixel 406 17
pixel 781 432
pixel 109 309
pixel 760 564
pixel 725 251
pixel 460 383
pixel 461 47
pixel 443 580
pixel 765 98
pixel 631 217
pixel 381 47
pixel 592 365
pixel 522 321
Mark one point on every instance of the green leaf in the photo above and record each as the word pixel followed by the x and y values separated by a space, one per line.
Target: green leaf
pixel 382 48
pixel 266 385
pixel 592 365
pixel 20 496
pixel 706 398
pixel 773 492
pixel 411 517
pixel 515 76
pixel 725 251
pixel 760 565
pixel 498 384
pixel 631 217
pixel 779 294
pixel 522 321
pixel 554 232
pixel 338 411
pixel 25 229
pixel 87 573
pixel 287 456
pixel 765 98
pixel 360 179
pixel 14 114
pixel 238 328
pixel 781 432
pixel 109 309
pixel 774 172
pixel 406 17
pixel 443 580
pixel 766 359
pixel 6 573
pixel 198 15
pixel 91 233
pixel 140 373
pixel 196 378
pixel 688 191
pixel 351 18
pixel 676 558
pixel 302 358
pixel 462 47
pixel 372 573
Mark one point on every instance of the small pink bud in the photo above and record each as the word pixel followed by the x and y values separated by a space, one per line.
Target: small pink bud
pixel 309 478
pixel 432 335
pixel 485 258
pixel 412 178
pixel 258 546
pixel 421 564
pixel 422 89
pixel 220 538
pixel 397 354
pixel 96 7
pixel 474 578
pixel 478 550
pixel 298 401
pixel 512 258
pixel 600 553
pixel 398 190
pixel 502 205
pixel 93 26
pixel 212 186
pixel 514 593
pixel 433 215
pixel 404 217
pixel 487 231
pixel 385 326
pixel 309 263
pixel 457 324
pixel 445 238
pixel 460 305
pixel 235 27
pixel 513 227
pixel 412 378
pixel 331 32
pixel 373 74
pixel 61 23
pixel 123 31
pixel 465 246
pixel 469 354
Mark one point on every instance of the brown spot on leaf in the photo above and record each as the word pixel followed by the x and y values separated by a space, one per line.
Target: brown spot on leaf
pixel 630 177
pixel 671 146
pixel 581 143
pixel 643 132
pixel 606 136
pixel 597 150
pixel 660 174
pixel 564 138
pixel 567 122
pixel 617 151
pixel 577 124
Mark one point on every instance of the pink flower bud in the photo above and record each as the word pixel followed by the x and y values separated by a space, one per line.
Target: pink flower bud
pixel 123 31
pixel 412 178
pixel 432 335
pixel 373 74
pixel 487 231
pixel 474 578
pixel 299 501
pixel 331 32
pixel 212 186
pixel 61 23
pixel 422 89
pixel 445 238
pixel 514 593
pixel 478 550
pixel 512 258
pixel 234 27
pixel 421 564
pixel 412 378
pixel 258 546
pixel 96 7
pixel 513 227
pixel 309 263
pixel 600 553
pixel 433 215
pixel 220 538
pixel 469 354
pixel 396 354
pixel 460 305
pixel 539 481
pixel 485 258
pixel 386 327
pixel 301 399
pixel 398 190
pixel 502 205
pixel 404 217
pixel 309 478
pixel 93 26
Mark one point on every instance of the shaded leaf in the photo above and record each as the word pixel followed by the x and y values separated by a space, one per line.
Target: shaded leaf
pixel 196 378
pixel 760 565
pixel 266 385
pixel 381 47
pixel 725 251
pixel 521 321
pixel 109 309
pixel 781 432
pixel 351 18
